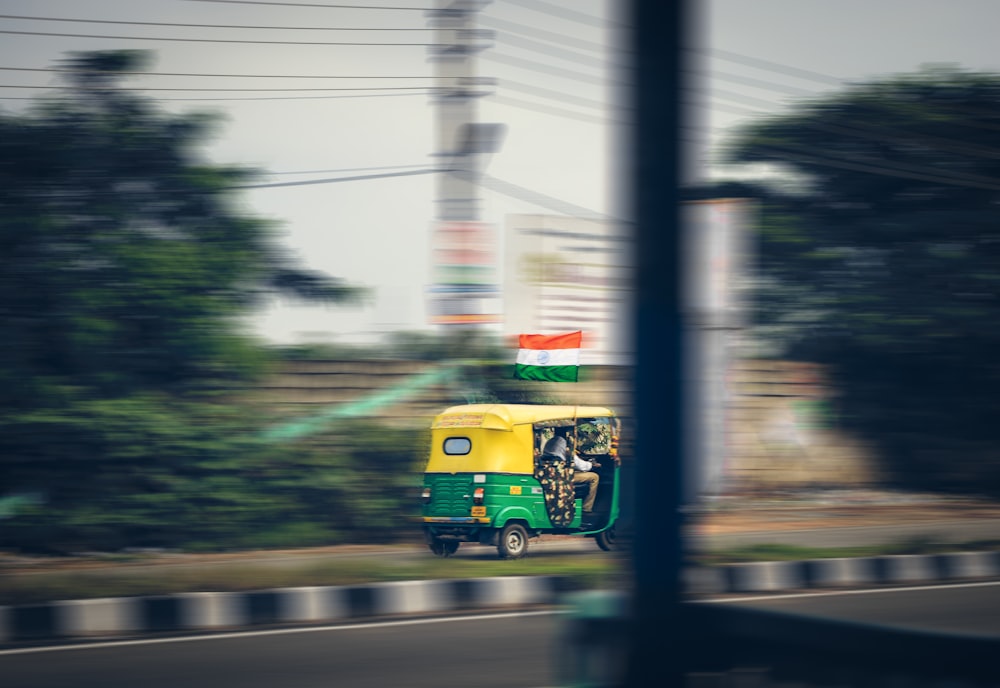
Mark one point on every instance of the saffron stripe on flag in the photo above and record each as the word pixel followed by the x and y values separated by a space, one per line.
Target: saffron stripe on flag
pixel 570 340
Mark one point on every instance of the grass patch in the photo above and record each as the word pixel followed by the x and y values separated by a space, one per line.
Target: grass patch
pixel 120 577
pixel 582 571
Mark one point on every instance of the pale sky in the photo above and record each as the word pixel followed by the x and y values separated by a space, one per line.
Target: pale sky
pixel 551 58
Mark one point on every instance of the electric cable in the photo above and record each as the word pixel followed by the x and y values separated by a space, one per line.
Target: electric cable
pixel 207 26
pixel 552 51
pixel 885 168
pixel 227 76
pixel 548 109
pixel 334 180
pixel 313 4
pixel 256 90
pixel 211 40
pixel 563 13
pixel 506 26
pixel 541 67
pixel 260 98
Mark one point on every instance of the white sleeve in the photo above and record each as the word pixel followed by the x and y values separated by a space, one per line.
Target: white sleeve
pixel 581 465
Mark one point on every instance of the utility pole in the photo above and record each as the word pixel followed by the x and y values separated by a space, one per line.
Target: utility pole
pixel 463 246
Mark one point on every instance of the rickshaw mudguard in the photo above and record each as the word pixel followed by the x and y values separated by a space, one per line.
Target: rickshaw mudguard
pixel 514 513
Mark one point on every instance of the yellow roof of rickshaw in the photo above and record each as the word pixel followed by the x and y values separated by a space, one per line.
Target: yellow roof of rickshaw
pixel 506 416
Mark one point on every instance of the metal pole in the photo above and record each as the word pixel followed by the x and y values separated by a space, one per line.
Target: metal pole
pixel 656 636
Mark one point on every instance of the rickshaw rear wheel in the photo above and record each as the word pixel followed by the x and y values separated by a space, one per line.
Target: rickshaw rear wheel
pixel 606 539
pixel 513 541
pixel 443 548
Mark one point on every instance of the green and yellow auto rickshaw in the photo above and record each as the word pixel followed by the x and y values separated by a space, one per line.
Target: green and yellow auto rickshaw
pixel 499 474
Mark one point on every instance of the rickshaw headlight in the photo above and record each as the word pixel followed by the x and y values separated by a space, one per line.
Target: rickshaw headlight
pixel 477 496
pixel 426 495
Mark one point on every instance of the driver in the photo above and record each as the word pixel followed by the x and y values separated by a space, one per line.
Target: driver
pixel 583 474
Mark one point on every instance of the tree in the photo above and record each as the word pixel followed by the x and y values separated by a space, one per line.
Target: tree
pixel 125 262
pixel 124 265
pixel 883 261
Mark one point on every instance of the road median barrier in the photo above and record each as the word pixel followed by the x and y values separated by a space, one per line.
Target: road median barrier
pixel 214 611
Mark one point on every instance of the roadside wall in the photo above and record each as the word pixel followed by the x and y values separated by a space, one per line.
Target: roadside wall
pixel 784 430
pixel 782 427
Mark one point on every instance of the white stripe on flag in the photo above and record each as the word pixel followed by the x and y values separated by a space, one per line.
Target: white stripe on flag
pixel 548 357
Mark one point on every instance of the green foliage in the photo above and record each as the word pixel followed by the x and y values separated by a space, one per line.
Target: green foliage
pixel 883 261
pixel 125 270
pixel 124 263
pixel 150 472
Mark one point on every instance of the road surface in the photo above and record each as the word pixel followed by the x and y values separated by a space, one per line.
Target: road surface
pixel 487 651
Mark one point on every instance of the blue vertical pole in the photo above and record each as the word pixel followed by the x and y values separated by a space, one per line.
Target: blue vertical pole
pixel 656 635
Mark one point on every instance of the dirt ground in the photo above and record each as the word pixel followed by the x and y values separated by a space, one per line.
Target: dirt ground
pixel 831 509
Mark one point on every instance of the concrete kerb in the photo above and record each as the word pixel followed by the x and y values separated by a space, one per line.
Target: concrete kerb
pixel 207 611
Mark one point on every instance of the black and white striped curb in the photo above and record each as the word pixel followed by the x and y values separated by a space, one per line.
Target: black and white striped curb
pixel 776 576
pixel 207 611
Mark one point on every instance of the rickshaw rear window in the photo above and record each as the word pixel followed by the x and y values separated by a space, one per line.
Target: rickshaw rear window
pixel 457 446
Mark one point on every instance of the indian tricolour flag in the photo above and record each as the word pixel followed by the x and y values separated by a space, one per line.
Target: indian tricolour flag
pixel 549 357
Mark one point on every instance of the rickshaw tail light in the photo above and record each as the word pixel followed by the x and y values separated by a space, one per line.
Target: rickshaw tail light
pixel 477 496
pixel 426 495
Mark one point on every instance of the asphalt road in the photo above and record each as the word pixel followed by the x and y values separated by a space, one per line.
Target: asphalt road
pixel 961 608
pixel 486 651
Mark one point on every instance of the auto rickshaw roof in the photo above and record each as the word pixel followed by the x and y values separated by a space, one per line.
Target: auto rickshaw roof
pixel 506 416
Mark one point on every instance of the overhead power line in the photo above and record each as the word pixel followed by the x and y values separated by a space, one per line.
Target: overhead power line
pixel 348 169
pixel 768 65
pixel 887 169
pixel 255 90
pixel 549 36
pixel 553 51
pixel 262 98
pixel 208 26
pixel 334 180
pixel 563 13
pixel 312 4
pixel 550 110
pixel 756 83
pixel 227 76
pixel 542 200
pixel 357 95
pixel 564 98
pixel 534 66
pixel 208 40
pixel 492 183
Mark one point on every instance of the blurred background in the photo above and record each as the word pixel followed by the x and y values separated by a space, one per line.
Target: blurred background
pixel 251 248
pixel 226 217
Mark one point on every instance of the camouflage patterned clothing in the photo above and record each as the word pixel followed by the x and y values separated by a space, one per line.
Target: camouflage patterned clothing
pixel 554 473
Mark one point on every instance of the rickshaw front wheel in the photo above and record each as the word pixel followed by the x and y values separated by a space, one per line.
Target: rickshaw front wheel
pixel 443 548
pixel 513 541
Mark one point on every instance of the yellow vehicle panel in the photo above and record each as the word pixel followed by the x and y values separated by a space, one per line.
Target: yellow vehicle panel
pixel 500 435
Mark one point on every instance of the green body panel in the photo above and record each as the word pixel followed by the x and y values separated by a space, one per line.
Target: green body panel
pixel 452 499
pixel 505 497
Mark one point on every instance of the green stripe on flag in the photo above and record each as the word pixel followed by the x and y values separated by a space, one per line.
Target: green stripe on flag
pixel 567 373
